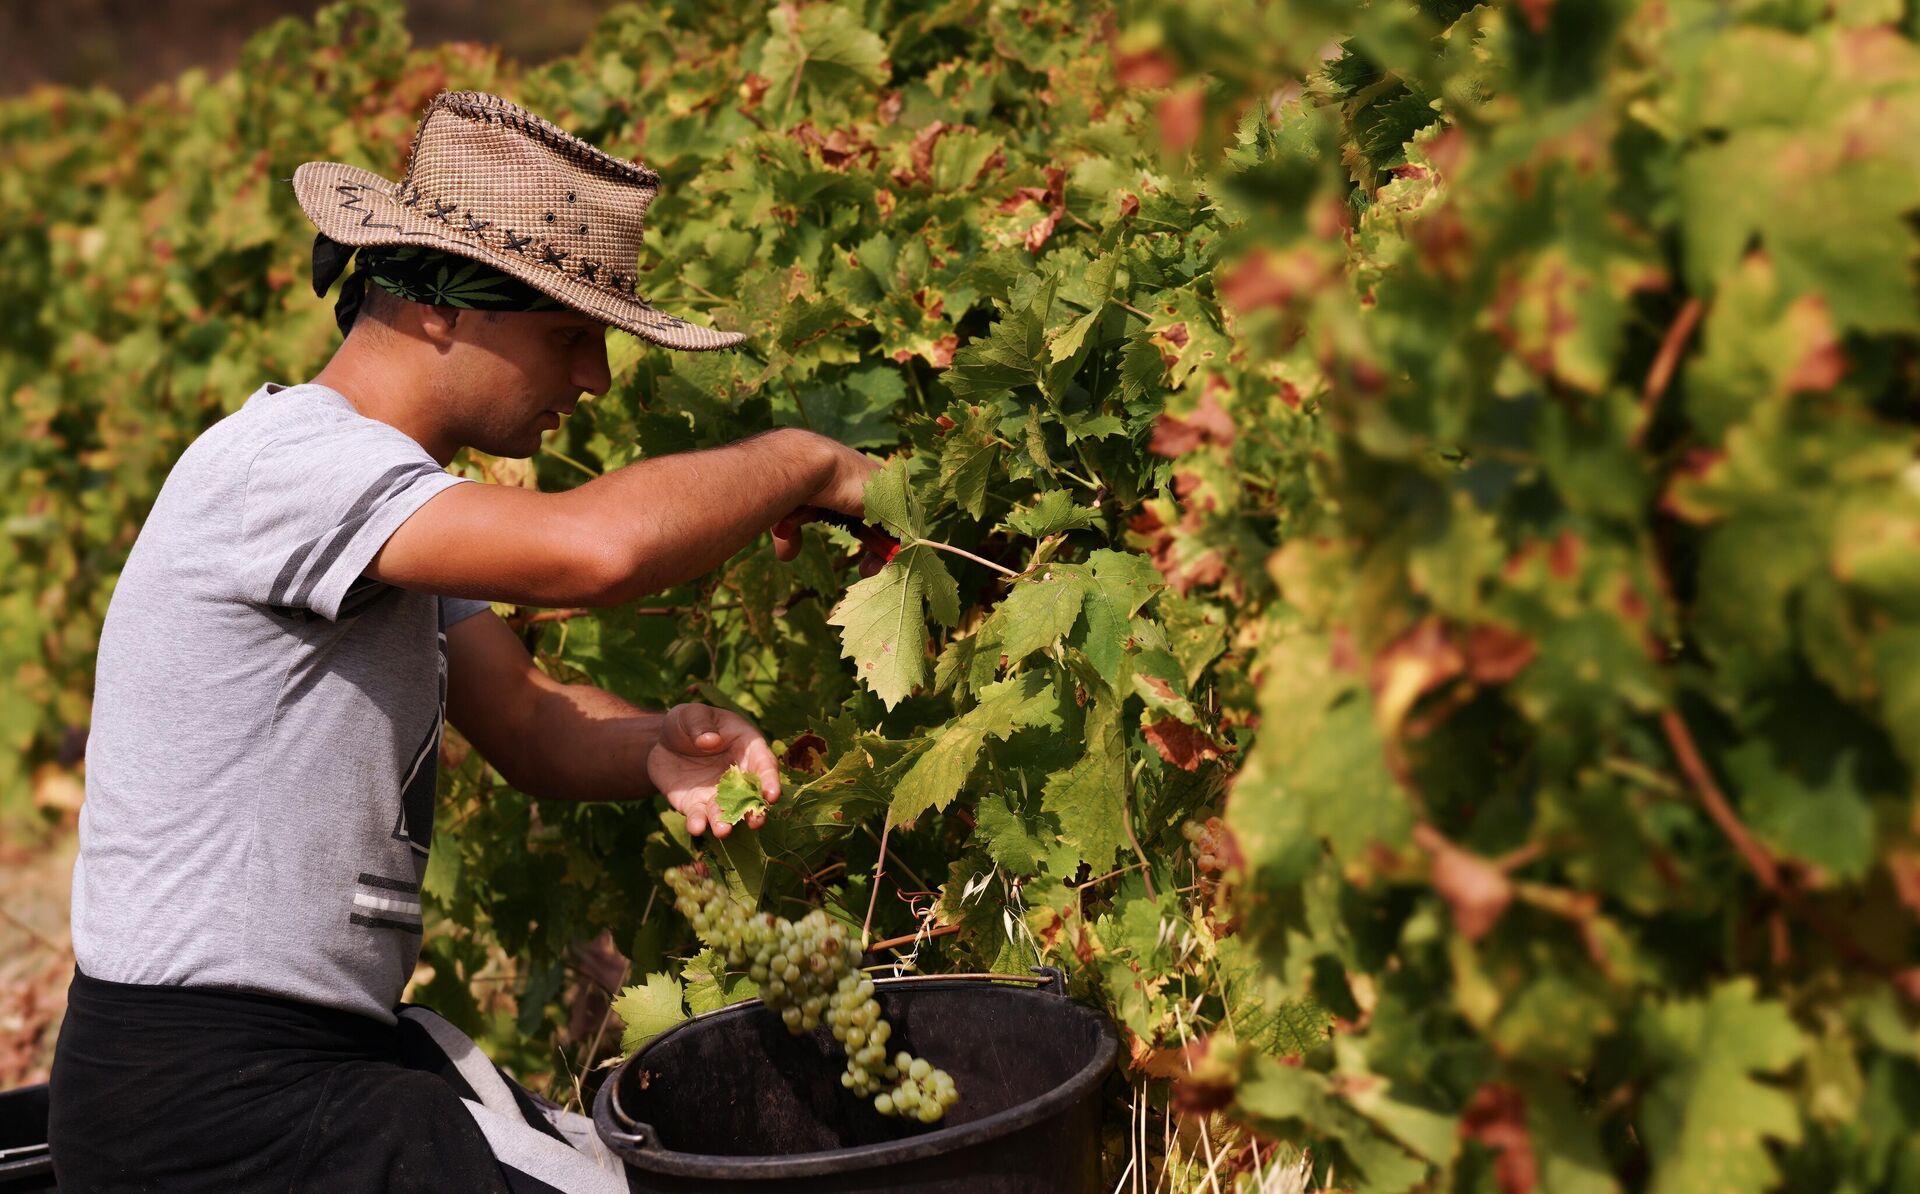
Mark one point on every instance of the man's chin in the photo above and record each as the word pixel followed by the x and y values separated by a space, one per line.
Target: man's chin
pixel 522 450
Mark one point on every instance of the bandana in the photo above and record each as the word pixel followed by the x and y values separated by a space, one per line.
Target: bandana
pixel 419 275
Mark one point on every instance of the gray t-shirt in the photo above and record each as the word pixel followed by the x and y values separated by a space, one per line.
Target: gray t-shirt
pixel 266 720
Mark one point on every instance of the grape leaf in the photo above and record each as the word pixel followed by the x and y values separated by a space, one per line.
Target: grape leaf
pixel 858 412
pixel 1122 583
pixel 1041 609
pixel 1018 843
pixel 824 48
pixel 1277 1097
pixel 1828 824
pixel 738 793
pixel 1091 291
pixel 1706 1119
pixel 884 621
pixel 710 987
pixel 936 777
pixel 891 502
pixel 1006 357
pixel 1088 796
pixel 648 1010
pixel 966 460
pixel 1052 513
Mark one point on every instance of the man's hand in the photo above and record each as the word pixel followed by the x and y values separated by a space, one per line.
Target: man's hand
pixel 844 491
pixel 697 745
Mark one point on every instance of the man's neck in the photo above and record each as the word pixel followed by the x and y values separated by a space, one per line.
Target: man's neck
pixel 378 396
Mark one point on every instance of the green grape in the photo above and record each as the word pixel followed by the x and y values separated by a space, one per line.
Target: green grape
pixel 806 972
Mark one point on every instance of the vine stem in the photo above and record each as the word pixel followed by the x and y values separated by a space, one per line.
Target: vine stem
pixel 645 611
pixel 1660 376
pixel 1126 822
pixel 564 458
pixel 873 895
pixel 1695 768
pixel 910 938
pixel 1002 569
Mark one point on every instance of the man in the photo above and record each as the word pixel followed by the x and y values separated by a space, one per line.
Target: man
pixel 303 607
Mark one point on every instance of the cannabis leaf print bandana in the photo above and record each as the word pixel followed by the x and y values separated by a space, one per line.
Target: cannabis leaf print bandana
pixel 419 275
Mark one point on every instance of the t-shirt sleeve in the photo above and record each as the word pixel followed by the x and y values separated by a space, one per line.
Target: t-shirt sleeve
pixel 455 609
pixel 319 502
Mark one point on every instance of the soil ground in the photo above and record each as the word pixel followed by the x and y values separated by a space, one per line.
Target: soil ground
pixel 36 952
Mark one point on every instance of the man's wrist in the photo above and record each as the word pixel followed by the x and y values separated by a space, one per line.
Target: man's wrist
pixel 815 456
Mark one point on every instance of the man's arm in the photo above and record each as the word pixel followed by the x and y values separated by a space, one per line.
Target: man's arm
pixel 636 530
pixel 558 741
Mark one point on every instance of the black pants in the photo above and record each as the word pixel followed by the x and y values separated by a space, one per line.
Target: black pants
pixel 177 1088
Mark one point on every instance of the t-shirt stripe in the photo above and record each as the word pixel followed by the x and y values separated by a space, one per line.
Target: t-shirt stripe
pixel 338 537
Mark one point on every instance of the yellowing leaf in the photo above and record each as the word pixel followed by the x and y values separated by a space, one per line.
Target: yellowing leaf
pixel 738 794
pixel 648 1010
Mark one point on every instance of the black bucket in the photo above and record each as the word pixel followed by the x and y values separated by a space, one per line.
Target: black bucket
pixel 731 1100
pixel 25 1163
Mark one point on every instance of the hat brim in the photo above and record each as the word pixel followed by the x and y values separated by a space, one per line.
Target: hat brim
pixel 358 207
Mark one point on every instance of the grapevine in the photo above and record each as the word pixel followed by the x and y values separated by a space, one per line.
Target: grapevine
pixel 806 972
pixel 1468 449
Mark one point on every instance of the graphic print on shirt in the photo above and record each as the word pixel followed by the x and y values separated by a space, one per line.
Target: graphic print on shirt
pixel 383 903
pixel 415 823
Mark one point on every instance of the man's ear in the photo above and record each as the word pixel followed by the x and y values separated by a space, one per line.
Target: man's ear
pixel 438 325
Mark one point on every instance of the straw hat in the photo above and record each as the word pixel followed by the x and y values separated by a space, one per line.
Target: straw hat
pixel 489 180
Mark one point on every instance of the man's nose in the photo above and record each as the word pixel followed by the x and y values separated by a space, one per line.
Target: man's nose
pixel 592 373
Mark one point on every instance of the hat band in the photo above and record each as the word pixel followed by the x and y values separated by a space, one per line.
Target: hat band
pixel 537 252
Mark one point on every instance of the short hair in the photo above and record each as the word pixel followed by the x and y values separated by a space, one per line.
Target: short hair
pixel 380 303
pixel 384 306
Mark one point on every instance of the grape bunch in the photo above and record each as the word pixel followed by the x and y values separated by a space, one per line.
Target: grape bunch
pixel 1207 843
pixel 806 972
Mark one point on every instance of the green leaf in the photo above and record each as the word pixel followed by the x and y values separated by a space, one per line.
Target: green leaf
pixel 1017 842
pixel 1005 357
pixel 710 987
pixel 822 48
pixel 648 1010
pixel 1040 610
pixel 1122 583
pixel 738 794
pixel 858 412
pixel 967 456
pixel 937 776
pixel 1053 513
pixel 1089 290
pixel 1089 798
pixel 891 502
pixel 1828 824
pixel 884 621
pixel 1706 1119
pixel 1320 757
pixel 1278 1098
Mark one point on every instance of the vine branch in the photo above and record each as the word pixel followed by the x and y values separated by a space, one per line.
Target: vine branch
pixel 910 938
pixel 1002 569
pixel 1695 768
pixel 1660 376
pixel 873 894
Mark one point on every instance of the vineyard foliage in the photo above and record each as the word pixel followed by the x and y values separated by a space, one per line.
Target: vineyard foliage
pixel 1469 449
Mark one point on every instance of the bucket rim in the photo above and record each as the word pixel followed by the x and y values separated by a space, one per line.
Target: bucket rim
pixel 648 1154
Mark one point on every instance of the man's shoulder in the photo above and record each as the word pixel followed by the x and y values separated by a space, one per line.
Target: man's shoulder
pixel 296 418
pixel 270 411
